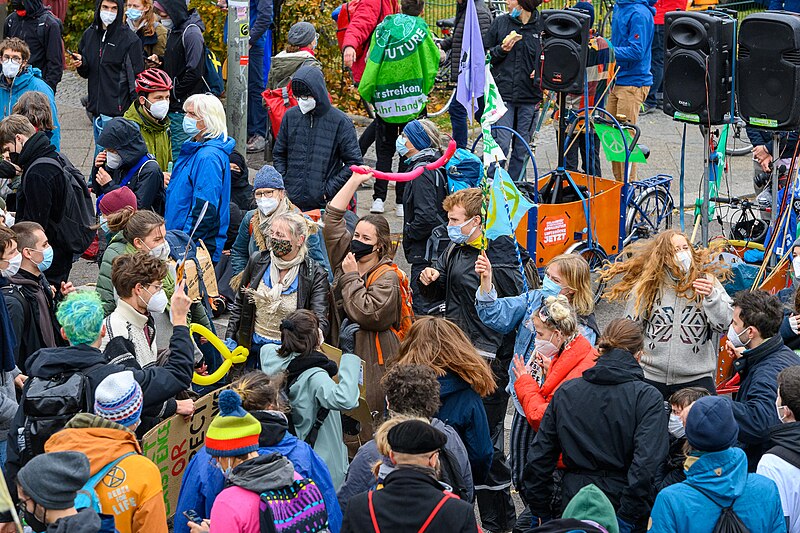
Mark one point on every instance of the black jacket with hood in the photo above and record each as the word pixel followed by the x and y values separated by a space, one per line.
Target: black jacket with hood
pixel 147 183
pixel 41 31
pixel 184 59
pixel 512 70
pixel 111 60
pixel 314 151
pixel 611 428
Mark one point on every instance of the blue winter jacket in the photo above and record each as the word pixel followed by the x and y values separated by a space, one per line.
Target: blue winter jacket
pixel 785 5
pixel 202 174
pixel 202 481
pixel 722 477
pixel 463 409
pixel 632 31
pixel 29 79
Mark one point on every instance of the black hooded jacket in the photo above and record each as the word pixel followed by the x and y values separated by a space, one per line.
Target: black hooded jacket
pixel 512 70
pixel 611 428
pixel 41 30
pixel 184 59
pixel 111 60
pixel 314 151
pixel 147 183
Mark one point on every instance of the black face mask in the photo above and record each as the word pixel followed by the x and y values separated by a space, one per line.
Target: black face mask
pixel 30 518
pixel 361 249
pixel 14 157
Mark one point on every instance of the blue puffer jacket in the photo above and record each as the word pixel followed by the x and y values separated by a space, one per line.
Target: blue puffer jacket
pixel 202 481
pixel 463 409
pixel 29 79
pixel 202 174
pixel 632 31
pixel 722 477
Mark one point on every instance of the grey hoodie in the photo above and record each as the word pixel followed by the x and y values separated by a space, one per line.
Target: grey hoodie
pixel 263 473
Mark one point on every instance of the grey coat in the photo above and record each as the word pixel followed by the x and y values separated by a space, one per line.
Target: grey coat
pixel 8 402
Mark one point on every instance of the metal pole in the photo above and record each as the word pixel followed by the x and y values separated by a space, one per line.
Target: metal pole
pixel 776 153
pixel 706 187
pixel 238 60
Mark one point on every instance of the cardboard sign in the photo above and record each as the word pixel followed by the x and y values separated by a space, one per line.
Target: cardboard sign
pixel 173 443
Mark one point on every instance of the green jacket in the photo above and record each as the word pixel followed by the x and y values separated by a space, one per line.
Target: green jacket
pixel 156 134
pixel 401 68
pixel 315 389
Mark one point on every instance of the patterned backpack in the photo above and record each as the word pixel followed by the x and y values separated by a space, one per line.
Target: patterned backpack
pixel 296 508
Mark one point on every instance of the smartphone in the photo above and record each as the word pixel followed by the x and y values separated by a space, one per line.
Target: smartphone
pixel 192 516
pixel 71 53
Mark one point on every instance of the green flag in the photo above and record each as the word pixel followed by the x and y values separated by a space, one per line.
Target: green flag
pixel 614 147
pixel 493 109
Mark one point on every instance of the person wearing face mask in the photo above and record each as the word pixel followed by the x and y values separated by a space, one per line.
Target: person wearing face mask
pixel 672 469
pixel 150 112
pixel 30 298
pixel 610 429
pixel 275 283
pixel 20 77
pixel 367 305
pixel 141 19
pixel 515 65
pixel 112 79
pixel 781 463
pixel 126 162
pixel 760 354
pixel 10 260
pixel 301 43
pixel 674 291
pixel 316 144
pixel 261 397
pixel 183 61
pixel 41 30
pixel 453 277
pixel 311 387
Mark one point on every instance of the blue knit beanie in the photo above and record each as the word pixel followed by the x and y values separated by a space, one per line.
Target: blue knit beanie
pixel 415 133
pixel 268 178
pixel 587 8
pixel 710 425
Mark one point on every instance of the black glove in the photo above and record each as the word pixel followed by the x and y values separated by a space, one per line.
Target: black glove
pixel 7 170
pixel 347 336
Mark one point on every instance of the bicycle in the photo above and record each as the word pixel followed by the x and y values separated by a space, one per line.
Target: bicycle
pixel 443 88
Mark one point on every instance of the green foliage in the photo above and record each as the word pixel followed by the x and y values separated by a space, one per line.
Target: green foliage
pixel 214 19
pixel 79 16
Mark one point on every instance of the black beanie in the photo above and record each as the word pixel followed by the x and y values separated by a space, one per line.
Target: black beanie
pixel 53 479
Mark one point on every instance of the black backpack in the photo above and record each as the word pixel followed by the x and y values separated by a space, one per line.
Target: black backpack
pixel 49 404
pixel 74 231
pixel 450 474
pixel 728 521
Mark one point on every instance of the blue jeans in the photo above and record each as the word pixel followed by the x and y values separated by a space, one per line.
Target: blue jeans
pixel 256 112
pixel 176 133
pixel 522 119
pixel 656 65
pixel 3 454
pixel 458 121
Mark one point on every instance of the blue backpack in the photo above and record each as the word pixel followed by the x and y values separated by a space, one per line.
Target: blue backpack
pixel 87 496
pixel 464 170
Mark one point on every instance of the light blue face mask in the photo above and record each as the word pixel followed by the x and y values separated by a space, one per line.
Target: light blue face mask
pixel 134 14
pixel 47 259
pixel 550 287
pixel 455 233
pixel 400 146
pixel 515 13
pixel 190 126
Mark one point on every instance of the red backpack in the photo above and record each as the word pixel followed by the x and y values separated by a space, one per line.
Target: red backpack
pixel 277 102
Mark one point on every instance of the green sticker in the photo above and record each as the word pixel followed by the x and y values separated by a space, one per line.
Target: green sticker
pixel 614 148
pixel 686 117
pixel 763 122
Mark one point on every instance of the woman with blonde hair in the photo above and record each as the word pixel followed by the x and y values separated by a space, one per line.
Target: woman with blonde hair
pixel 201 178
pixel 464 378
pixel 141 19
pixel 673 290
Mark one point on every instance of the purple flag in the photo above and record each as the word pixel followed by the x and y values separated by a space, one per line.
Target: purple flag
pixel 472 63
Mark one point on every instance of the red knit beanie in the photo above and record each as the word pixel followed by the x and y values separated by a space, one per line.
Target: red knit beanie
pixel 116 200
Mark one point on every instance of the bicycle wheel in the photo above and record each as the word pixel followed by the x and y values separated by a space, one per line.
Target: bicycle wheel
pixel 654 213
pixel 741 145
pixel 596 257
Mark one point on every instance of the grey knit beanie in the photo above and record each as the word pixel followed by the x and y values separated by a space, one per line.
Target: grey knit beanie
pixel 53 479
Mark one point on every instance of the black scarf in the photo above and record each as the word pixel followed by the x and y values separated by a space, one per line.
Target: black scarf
pixel 301 363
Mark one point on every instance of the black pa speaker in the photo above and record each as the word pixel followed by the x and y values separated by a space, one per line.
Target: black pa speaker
pixel 565 45
pixel 768 70
pixel 698 61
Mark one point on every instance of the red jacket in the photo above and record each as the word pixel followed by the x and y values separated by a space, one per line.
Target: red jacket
pixel 665 6
pixel 363 21
pixel 578 356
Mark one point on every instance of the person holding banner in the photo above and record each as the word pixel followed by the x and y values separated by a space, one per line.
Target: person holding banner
pixel 514 46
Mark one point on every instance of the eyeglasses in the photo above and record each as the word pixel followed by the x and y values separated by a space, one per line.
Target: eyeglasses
pixel 15 60
pixel 266 194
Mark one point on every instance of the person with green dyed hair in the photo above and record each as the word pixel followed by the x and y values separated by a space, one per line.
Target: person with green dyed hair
pixel 81 318
pixel 402 64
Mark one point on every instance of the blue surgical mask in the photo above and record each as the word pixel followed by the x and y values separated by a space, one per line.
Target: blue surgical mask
pixel 226 472
pixel 133 14
pixel 190 126
pixel 455 233
pixel 400 146
pixel 47 259
pixel 515 13
pixel 550 287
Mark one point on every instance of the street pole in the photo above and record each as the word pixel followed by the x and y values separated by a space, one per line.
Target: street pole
pixel 238 59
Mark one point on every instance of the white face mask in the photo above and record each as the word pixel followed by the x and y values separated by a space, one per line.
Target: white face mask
pixel 11 69
pixel 167 23
pixel 158 301
pixel 159 109
pixel 161 251
pixel 13 266
pixel 545 348
pixel 684 259
pixel 675 426
pixel 113 160
pixel 266 205
pixel 781 414
pixel 735 338
pixel 796 267
pixel 107 17
pixel 306 104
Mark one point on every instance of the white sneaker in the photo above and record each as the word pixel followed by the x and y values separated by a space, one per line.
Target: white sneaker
pixel 398 210
pixel 377 206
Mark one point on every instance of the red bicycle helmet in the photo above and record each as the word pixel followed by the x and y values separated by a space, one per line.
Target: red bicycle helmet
pixel 152 80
